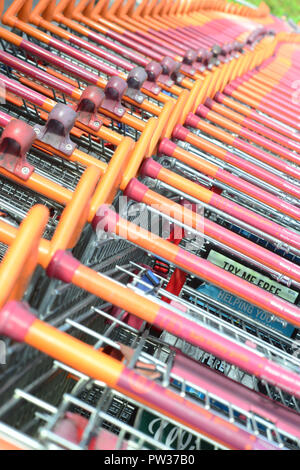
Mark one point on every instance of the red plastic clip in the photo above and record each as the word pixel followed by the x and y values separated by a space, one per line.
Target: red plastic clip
pixel 17 138
pixel 89 103
pixel 135 80
pixel 153 70
pixel 170 72
pixel 56 131
pixel 114 91
pixel 188 62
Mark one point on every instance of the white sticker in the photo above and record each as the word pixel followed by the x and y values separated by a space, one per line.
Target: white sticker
pixel 252 276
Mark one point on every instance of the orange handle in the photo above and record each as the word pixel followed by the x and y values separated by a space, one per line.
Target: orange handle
pixel 22 256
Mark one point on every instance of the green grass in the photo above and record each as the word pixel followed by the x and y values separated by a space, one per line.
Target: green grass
pixel 288 8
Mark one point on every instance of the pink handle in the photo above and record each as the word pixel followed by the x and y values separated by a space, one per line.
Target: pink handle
pixel 256 220
pixel 266 158
pixel 271 134
pixel 188 412
pixel 35 72
pixel 59 62
pixel 237 394
pixel 258 193
pixel 270 145
pixel 265 120
pixel 229 351
pixel 262 174
pixel 136 191
pixel 21 90
pixel 146 51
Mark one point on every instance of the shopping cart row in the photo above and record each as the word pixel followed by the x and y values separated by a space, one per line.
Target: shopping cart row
pixel 149 226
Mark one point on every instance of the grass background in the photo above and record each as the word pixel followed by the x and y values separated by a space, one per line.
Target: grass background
pixel 288 8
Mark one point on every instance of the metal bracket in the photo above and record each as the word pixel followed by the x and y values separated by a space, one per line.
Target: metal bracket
pixel 56 131
pixel 90 101
pixel 17 138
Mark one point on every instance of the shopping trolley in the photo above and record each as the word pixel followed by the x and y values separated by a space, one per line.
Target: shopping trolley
pixel 278 204
pixel 63 418
pixel 163 287
pixel 16 334
pixel 90 281
pixel 157 169
pixel 94 416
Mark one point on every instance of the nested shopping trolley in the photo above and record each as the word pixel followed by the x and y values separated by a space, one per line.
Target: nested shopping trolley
pixel 163 283
pixel 93 410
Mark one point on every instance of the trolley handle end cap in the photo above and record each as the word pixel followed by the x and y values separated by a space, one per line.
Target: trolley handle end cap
pixel 16 320
pixel 180 132
pixel 135 190
pixel 202 111
pixel 150 168
pixel 209 103
pixel 219 97
pixel 62 266
pixel 105 219
pixel 166 147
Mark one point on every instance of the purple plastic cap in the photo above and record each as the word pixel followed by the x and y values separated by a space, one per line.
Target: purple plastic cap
pixel 135 80
pixel 88 106
pixel 170 71
pixel 203 55
pixel 238 46
pixel 93 94
pixel 16 320
pixel 190 57
pixel 227 49
pixel 115 88
pixel 153 69
pixel 169 65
